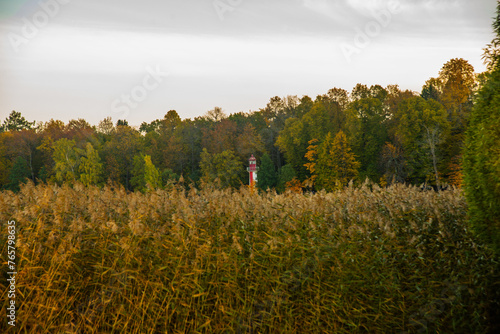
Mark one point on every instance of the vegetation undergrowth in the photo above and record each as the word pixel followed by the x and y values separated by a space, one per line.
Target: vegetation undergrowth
pixel 359 260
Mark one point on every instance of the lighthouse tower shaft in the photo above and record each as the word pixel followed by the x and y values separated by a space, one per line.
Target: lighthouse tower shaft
pixel 252 171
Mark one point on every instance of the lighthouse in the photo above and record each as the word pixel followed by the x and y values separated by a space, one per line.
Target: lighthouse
pixel 252 170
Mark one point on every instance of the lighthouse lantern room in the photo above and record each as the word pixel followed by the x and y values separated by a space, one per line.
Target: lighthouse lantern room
pixel 252 170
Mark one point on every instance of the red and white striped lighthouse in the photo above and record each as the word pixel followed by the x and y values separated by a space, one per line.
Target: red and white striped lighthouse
pixel 252 170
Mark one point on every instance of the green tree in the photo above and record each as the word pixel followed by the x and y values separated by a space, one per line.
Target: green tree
pixel 24 143
pixel 367 129
pixel 118 154
pixel 422 127
pixel 326 114
pixel 164 142
pixel 360 92
pixel 285 175
pixel 432 89
pixel 50 132
pixel 66 160
pixel 168 176
pixel 138 181
pixel 481 158
pixel 191 137
pixel 274 116
pixel 491 54
pixel 122 122
pixel 18 174
pixel 336 164
pixel 6 160
pixel 292 141
pixel 454 89
pixel 152 177
pixel 224 167
pixel 90 167
pixel 16 122
pixel 266 175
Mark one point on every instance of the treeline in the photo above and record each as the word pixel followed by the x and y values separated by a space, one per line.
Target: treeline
pixel 385 134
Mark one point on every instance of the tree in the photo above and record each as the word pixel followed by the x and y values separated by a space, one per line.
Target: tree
pixel 50 132
pixel 79 130
pixel 216 115
pixel 311 156
pixel 458 82
pixel 220 136
pixel 16 122
pixel 422 127
pixel 266 174
pixel 326 114
pixel 191 137
pixel 6 159
pixel 18 174
pixel 367 129
pixel 122 122
pixel 249 142
pixel 224 167
pixel 168 176
pixel 152 177
pixel 454 88
pixel 360 92
pixel 335 103
pixel 393 163
pixel 286 175
pixel 432 89
pixel 378 92
pixel 481 157
pixel 491 56
pixel 24 143
pixel 336 164
pixel 118 154
pixel 339 96
pixel 292 141
pixel 138 181
pixel 304 106
pixel 391 105
pixel 164 142
pixel 145 176
pixel 106 127
pixel 274 117
pixel 90 167
pixel 66 160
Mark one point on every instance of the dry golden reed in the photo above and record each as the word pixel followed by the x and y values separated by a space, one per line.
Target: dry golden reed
pixel 361 260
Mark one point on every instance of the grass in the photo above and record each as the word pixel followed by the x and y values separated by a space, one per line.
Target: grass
pixel 361 260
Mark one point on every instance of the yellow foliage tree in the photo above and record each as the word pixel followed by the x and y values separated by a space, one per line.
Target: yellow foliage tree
pixel 336 164
pixel 311 165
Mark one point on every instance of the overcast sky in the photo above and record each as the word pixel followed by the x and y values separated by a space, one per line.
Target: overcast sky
pixel 137 59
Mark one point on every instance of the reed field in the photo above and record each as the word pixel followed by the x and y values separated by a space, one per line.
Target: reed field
pixel 362 260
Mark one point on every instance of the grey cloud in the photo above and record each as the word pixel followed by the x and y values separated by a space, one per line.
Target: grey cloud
pixel 261 17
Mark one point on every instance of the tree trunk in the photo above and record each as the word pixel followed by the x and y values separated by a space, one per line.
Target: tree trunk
pixel 432 145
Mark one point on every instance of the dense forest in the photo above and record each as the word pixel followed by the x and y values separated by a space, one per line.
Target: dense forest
pixel 147 229
pixel 385 134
